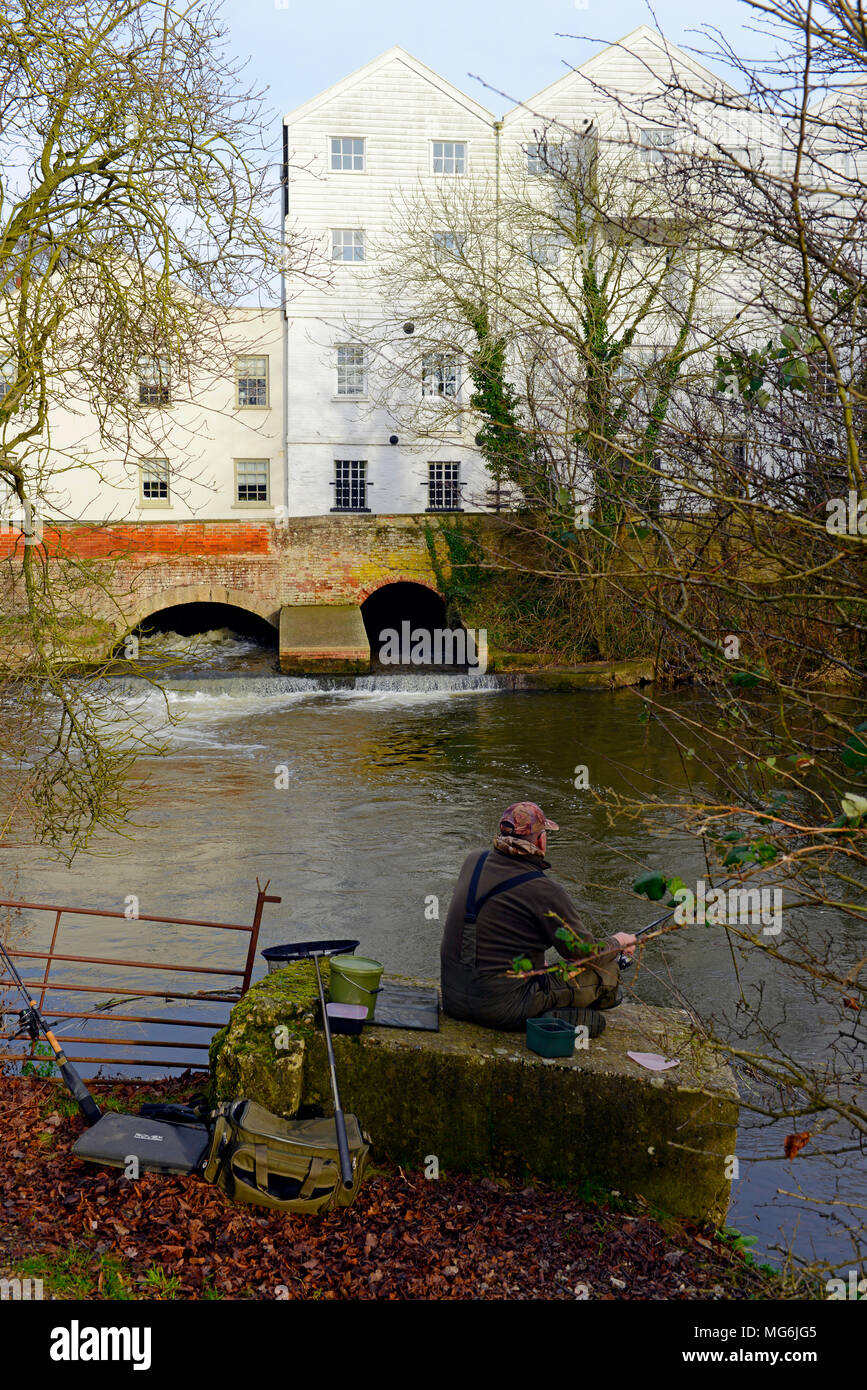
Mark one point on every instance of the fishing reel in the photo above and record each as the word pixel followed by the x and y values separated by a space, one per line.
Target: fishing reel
pixel 27 1023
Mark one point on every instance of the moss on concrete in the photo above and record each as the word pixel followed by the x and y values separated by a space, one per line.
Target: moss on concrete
pixel 479 1101
pixel 261 1053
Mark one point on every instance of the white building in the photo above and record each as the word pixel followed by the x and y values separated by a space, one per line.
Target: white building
pixel 300 430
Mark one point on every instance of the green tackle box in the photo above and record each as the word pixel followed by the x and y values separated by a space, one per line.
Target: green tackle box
pixel 551 1037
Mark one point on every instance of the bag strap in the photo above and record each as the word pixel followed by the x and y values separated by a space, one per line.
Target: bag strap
pixel 474 904
pixel 260 1154
pixel 309 1183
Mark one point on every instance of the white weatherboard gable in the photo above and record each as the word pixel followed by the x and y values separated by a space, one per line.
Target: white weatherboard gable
pixel 639 64
pixel 391 55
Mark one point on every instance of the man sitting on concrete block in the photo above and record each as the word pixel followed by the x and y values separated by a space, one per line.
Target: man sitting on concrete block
pixel 504 907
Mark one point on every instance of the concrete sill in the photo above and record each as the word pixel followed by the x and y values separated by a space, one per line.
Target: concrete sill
pixel 349 511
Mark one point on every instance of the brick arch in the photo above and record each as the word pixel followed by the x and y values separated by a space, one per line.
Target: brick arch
pixel 201 593
pixel 364 592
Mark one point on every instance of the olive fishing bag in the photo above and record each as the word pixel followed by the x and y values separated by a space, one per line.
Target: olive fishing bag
pixel 290 1165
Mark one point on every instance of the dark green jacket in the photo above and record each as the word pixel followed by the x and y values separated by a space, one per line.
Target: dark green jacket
pixel 515 922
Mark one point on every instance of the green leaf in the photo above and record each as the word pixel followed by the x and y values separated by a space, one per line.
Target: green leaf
pixel 854 754
pixel 652 885
pixel 741 854
pixel 522 963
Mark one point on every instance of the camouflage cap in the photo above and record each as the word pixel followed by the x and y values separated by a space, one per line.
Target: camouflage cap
pixel 525 820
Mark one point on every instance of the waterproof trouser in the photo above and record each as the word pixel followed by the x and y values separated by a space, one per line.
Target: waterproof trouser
pixel 489 997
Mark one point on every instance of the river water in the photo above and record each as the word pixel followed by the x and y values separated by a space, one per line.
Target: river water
pixel 358 802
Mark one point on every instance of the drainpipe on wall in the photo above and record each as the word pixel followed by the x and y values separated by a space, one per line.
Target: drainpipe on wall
pixel 284 182
pixel 498 132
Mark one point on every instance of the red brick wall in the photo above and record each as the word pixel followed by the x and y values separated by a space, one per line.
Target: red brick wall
pixel 259 565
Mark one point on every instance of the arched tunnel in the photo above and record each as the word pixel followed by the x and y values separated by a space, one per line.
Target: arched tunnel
pixel 188 619
pixel 203 635
pixel 406 626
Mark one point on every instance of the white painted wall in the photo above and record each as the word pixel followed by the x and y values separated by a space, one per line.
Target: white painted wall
pixel 201 435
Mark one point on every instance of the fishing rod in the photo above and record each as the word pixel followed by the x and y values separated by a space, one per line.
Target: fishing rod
pixel 32 1022
pixel 625 961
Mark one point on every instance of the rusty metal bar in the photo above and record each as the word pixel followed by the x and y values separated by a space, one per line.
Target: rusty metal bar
pixel 57 918
pixel 103 912
pixel 124 1042
pixel 120 1061
pixel 212 996
pixel 261 899
pixel 128 1018
pixel 115 960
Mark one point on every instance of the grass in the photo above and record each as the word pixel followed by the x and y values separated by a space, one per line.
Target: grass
pixel 78 1274
pixel 81 1274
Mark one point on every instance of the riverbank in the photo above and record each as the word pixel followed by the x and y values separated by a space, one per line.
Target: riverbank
pixel 89 1233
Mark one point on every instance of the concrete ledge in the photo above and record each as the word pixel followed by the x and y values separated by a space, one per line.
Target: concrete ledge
pixel 323 639
pixel 531 674
pixel 478 1100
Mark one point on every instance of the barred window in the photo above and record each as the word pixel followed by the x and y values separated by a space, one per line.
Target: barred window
pixel 347 244
pixel 439 374
pixel 154 475
pixel 153 381
pixel 252 379
pixel 350 485
pixel 449 157
pixel 251 480
pixel 351 373
pixel 444 487
pixel 347 154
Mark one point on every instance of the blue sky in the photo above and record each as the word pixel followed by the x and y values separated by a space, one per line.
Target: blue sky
pixel 513 45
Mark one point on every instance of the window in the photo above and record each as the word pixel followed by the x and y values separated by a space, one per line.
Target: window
pixel 251 480
pixel 448 244
pixel 350 485
pixel 154 475
pixel 347 244
pixel 449 157
pixel 545 248
pixel 153 381
pixel 444 487
pixel 7 377
pixel 347 154
pixel 537 159
pixel 439 374
pixel 351 373
pixel 655 142
pixel 251 374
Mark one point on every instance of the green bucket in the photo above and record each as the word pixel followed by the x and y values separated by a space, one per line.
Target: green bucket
pixel 355 980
